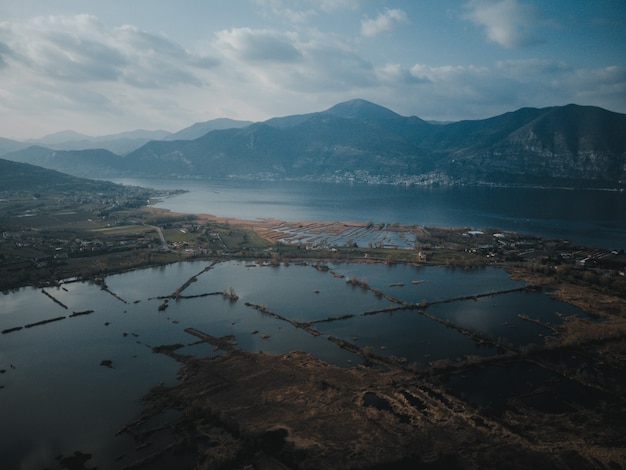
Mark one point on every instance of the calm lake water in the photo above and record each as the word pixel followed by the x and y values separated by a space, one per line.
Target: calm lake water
pixel 594 218
pixel 56 397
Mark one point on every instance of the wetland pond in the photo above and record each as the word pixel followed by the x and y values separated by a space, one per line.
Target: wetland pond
pixel 73 383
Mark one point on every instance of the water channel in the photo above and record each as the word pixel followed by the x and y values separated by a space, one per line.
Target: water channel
pixel 71 384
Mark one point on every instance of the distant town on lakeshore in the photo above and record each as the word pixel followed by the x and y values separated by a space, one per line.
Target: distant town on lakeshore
pixel 359 141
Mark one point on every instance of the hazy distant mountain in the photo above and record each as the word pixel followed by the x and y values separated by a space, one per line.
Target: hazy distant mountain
pixel 200 128
pixel 92 163
pixel 120 144
pixel 8 145
pixel 124 142
pixel 61 137
pixel 361 141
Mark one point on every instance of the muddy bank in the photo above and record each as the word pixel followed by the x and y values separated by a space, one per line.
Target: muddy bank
pixel 245 410
pixel 295 411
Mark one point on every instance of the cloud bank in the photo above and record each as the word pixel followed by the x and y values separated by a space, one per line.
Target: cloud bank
pixel 386 21
pixel 75 71
pixel 508 23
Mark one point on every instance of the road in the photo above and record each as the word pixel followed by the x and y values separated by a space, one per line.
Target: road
pixel 163 242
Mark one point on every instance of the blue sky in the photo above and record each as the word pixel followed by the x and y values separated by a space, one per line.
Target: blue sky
pixel 101 67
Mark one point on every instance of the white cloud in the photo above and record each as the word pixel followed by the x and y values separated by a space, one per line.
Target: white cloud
pixel 398 74
pixel 290 62
pixel 293 12
pixel 506 22
pixel 474 92
pixel 81 49
pixel 61 72
pixel 333 5
pixel 259 45
pixel 95 79
pixel 74 72
pixel 386 21
pixel 302 11
pixel 557 82
pixel 531 67
pixel 603 86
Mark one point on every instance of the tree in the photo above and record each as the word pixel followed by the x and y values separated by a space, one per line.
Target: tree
pixel 231 294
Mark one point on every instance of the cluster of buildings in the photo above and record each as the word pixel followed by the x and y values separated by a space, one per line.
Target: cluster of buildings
pixel 514 247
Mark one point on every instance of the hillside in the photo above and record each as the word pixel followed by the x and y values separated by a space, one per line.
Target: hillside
pixel 94 163
pixel 9 145
pixel 15 176
pixel 201 128
pixel 569 144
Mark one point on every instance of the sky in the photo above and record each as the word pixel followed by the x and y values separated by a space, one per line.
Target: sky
pixel 102 67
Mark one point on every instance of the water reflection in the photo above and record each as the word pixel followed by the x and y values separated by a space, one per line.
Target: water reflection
pixel 57 398
pixel 588 217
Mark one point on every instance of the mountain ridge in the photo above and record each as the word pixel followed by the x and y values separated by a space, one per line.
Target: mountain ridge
pixel 201 128
pixel 358 140
pixel 120 143
pixel 24 176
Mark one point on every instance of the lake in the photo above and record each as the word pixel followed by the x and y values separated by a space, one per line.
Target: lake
pixel 593 218
pixel 57 396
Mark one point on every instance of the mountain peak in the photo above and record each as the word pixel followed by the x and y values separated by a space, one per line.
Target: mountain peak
pixel 360 141
pixel 361 109
pixel 62 136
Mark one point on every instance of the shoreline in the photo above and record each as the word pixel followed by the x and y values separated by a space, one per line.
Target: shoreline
pixel 294 410
pixel 267 409
pixel 449 246
pixel 239 409
pixel 401 181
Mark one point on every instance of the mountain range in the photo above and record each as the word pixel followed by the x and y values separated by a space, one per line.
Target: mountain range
pixel 122 143
pixel 580 146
